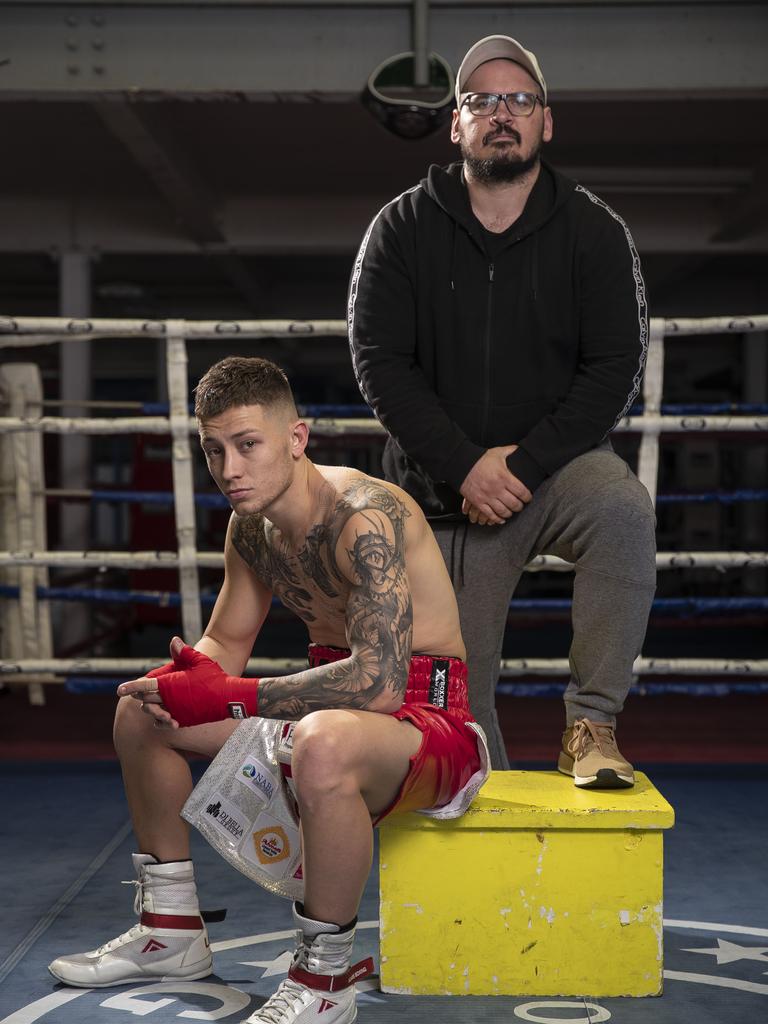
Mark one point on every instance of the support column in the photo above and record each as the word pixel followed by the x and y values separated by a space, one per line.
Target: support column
pixel 755 389
pixel 421 42
pixel 75 450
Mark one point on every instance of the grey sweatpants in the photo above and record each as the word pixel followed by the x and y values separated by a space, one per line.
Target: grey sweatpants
pixel 595 513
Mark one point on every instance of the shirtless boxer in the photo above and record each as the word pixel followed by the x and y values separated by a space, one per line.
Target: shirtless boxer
pixel 355 559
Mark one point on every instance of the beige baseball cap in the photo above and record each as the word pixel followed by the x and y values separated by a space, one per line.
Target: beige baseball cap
pixel 492 48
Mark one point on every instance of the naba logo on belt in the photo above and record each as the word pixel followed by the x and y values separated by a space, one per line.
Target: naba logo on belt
pixel 254 774
pixel 271 845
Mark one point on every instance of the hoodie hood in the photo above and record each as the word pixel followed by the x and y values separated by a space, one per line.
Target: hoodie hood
pixel 446 187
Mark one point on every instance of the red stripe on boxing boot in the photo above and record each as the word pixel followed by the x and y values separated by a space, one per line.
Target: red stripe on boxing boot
pixel 178 921
pixel 332 982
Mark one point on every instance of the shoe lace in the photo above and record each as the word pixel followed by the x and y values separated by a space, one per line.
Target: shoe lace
pixel 138 898
pixel 586 734
pixel 278 1007
pixel 136 929
pixel 132 933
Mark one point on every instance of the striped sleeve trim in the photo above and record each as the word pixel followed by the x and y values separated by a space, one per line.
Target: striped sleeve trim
pixel 642 305
pixel 356 275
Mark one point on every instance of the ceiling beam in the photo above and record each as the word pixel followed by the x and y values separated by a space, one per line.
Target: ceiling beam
pixel 179 184
pixel 315 50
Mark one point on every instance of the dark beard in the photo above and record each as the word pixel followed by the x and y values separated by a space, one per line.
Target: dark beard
pixel 502 168
pixel 497 170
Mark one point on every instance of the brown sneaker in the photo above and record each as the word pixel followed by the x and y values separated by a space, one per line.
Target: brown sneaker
pixel 589 753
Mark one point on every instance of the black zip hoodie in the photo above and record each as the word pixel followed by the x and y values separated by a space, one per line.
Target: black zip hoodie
pixel 463 340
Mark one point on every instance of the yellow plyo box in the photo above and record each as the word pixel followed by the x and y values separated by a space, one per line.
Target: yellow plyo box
pixel 539 889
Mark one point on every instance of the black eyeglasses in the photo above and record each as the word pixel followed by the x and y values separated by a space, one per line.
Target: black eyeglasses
pixel 485 104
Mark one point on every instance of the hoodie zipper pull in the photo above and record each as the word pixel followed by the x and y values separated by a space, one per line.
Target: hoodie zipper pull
pixel 490 272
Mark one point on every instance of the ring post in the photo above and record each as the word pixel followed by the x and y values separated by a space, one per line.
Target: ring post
pixel 653 385
pixel 26 626
pixel 183 483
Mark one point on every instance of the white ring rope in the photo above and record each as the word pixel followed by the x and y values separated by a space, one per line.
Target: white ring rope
pixel 26 332
pixel 329 426
pixel 510 667
pixel 48 330
pixel 162 425
pixel 215 560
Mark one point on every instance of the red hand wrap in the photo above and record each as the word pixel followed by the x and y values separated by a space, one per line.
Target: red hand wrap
pixel 162 671
pixel 195 690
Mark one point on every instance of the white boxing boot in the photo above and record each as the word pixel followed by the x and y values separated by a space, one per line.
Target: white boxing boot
pixel 170 941
pixel 320 986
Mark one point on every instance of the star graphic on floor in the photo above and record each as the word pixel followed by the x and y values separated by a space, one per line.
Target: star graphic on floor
pixel 729 952
pixel 278 965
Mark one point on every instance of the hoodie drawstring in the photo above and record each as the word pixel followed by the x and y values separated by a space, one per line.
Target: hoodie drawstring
pixel 453 255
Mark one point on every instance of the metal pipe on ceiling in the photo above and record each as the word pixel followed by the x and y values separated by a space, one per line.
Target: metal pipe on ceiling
pixel 421 42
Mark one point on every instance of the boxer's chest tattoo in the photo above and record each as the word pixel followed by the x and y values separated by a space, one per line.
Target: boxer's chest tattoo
pixel 309 582
pixel 270 565
pixel 302 580
pixel 315 557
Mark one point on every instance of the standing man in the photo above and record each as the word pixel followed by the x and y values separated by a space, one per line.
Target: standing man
pixel 383 722
pixel 498 326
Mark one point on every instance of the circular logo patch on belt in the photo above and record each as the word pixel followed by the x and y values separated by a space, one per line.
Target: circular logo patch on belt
pixel 271 845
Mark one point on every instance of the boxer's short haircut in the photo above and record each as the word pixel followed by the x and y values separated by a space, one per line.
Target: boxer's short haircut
pixel 241 380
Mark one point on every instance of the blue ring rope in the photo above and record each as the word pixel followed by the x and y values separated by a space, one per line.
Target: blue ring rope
pixel 172 599
pixel 212 500
pixel 359 411
pixel 548 688
pixel 723 497
pixel 218 501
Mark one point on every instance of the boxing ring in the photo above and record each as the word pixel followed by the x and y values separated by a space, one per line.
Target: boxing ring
pixel 714 869
pixel 25 616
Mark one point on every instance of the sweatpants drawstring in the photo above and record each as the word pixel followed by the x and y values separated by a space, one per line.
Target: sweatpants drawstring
pixel 462 549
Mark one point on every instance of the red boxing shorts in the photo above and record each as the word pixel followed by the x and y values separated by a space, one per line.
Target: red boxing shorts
pixel 449 757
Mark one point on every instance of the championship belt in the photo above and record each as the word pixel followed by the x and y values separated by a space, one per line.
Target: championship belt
pixel 244 808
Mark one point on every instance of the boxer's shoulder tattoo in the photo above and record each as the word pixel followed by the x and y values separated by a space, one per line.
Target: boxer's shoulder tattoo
pixel 271 564
pixel 362 545
pixel 368 493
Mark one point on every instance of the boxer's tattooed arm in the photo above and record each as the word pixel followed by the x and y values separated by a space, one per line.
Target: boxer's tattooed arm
pixel 370 555
pixel 271 565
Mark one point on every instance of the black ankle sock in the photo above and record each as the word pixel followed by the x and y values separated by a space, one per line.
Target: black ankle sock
pixel 342 927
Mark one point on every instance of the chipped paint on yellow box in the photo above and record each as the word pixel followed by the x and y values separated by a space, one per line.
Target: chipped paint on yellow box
pixel 539 889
